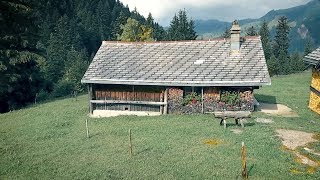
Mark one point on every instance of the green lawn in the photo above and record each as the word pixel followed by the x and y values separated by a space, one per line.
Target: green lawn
pixel 48 141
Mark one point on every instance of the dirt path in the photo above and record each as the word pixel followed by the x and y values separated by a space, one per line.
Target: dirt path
pixel 292 139
pixel 277 110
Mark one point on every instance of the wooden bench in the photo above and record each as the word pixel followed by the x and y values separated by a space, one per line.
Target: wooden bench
pixel 237 115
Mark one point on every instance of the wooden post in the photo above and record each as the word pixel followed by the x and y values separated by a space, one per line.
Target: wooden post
pixel 105 103
pixel 75 95
pixel 224 122
pixel 130 143
pixel 202 99
pixel 35 98
pixel 241 122
pixel 134 96
pixel 90 97
pixel 165 110
pixel 244 163
pixel 162 100
pixel 87 128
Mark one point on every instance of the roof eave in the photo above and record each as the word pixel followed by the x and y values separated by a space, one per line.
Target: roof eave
pixel 310 61
pixel 185 83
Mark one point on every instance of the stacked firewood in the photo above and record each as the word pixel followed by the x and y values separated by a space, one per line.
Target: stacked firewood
pixel 246 96
pixel 175 100
pixel 211 102
pixel 246 101
pixel 314 103
pixel 192 108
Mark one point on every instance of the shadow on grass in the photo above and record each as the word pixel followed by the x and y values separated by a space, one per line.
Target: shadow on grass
pixel 144 150
pixel 91 135
pixel 266 98
pixel 230 124
pixel 238 125
pixel 250 169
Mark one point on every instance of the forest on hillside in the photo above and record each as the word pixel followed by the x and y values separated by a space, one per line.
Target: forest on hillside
pixel 46 45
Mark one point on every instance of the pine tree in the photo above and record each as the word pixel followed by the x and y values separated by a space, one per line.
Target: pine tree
pixel 173 33
pixel 191 33
pixel 265 39
pixel 284 63
pixel 20 75
pixel 138 17
pixel 150 21
pixel 75 69
pixel 273 66
pixel 296 62
pixel 159 33
pixel 251 31
pixel 281 42
pixel 46 44
pixel 308 47
pixel 183 25
pixel 60 41
pixel 281 45
pixel 104 19
pixel 116 27
pixel 226 33
pixel 181 28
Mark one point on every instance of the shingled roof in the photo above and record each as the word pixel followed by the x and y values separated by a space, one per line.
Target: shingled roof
pixel 313 58
pixel 181 63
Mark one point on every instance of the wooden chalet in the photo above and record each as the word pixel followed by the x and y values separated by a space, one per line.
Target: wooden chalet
pixel 156 78
pixel 313 59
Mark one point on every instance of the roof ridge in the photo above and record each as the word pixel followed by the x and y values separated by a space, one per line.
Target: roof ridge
pixel 179 41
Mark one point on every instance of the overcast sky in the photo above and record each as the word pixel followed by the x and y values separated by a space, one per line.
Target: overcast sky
pixel 226 10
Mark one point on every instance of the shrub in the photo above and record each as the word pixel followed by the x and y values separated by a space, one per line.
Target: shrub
pixel 62 88
pixel 191 98
pixel 230 97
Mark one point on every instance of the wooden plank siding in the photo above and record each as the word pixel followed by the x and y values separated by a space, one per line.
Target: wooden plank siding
pixel 125 98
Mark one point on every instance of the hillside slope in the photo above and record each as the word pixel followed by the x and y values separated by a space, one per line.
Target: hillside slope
pixel 48 141
pixel 304 21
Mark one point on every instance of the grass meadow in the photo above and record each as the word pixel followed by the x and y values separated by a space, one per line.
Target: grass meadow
pixel 48 141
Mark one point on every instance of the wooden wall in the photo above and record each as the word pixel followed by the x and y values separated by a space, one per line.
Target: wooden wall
pixel 128 93
pixel 142 98
pixel 314 103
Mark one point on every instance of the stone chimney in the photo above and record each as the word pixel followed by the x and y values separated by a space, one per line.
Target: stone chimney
pixel 235 37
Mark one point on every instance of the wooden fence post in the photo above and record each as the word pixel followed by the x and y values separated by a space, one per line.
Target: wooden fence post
pixel 90 95
pixel 87 128
pixel 130 143
pixel 244 162
pixel 35 98
pixel 202 101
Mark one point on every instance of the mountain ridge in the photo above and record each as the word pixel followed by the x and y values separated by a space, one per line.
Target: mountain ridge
pixel 304 21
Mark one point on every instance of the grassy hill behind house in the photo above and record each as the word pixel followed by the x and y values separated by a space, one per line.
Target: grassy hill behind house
pixel 48 141
pixel 304 21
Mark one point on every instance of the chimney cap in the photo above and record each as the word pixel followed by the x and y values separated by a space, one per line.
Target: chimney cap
pixel 235 26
